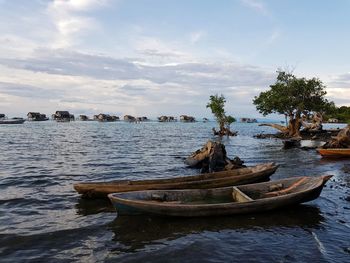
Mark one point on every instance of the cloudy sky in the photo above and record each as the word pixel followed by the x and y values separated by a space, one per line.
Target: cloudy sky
pixel 152 57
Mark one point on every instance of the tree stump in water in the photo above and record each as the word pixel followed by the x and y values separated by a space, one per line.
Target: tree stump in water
pixel 224 131
pixel 213 158
pixel 342 140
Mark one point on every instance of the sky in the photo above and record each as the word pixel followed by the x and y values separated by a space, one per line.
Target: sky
pixel 165 57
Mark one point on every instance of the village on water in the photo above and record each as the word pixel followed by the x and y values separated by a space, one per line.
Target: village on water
pixel 175 131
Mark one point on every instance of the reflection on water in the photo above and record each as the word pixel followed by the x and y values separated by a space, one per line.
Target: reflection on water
pixel 86 207
pixel 146 229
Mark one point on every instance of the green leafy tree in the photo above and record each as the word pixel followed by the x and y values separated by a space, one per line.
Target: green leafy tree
pixel 292 97
pixel 217 105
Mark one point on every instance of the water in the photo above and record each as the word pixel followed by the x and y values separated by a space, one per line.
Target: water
pixel 42 219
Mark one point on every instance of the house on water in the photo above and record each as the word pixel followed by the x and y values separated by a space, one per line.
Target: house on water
pixel 63 116
pixel 36 116
pixel 186 118
pixel 106 117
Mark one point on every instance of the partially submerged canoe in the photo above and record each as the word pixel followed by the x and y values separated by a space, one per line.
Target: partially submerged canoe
pixel 335 152
pixel 240 176
pixel 221 201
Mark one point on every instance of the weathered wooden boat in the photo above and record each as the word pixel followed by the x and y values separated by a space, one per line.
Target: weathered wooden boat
pixel 335 152
pixel 12 121
pixel 221 201
pixel 240 176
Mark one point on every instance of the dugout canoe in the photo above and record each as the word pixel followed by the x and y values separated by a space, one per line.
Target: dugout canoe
pixel 246 175
pixel 221 201
pixel 335 152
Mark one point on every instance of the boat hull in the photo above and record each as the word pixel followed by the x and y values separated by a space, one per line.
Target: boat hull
pixel 16 121
pixel 335 152
pixel 139 203
pixel 241 176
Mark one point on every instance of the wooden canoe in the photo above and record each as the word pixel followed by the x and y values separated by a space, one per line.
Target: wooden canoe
pixel 335 152
pixel 240 176
pixel 221 201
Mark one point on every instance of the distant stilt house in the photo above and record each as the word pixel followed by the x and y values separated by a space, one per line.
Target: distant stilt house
pixel 95 118
pixel 106 117
pixel 163 118
pixel 62 116
pixel 185 118
pixel 166 118
pixel 141 119
pixel 333 120
pixel 115 118
pixel 36 116
pixel 83 118
pixel 248 120
pixel 71 116
pixel 129 118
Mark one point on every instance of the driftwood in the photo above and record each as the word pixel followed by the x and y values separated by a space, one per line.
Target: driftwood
pixel 281 128
pixel 342 140
pixel 295 124
pixel 213 158
pixel 286 190
pixel 315 125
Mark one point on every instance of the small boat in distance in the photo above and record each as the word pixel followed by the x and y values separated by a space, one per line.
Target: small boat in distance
pixel 221 201
pixel 334 152
pixel 258 173
pixel 5 120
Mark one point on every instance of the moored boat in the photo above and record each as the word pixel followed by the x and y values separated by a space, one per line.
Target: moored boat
pixel 12 121
pixel 240 176
pixel 221 201
pixel 335 152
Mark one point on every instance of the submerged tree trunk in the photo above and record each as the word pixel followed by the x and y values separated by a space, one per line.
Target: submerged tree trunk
pixel 293 128
pixel 224 130
pixel 212 158
pixel 342 140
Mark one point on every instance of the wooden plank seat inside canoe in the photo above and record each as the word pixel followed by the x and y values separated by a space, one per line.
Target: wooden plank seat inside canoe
pixel 239 196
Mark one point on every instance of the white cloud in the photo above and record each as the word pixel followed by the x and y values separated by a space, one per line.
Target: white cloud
pixel 338 88
pixel 78 5
pixel 89 82
pixel 71 20
pixel 157 51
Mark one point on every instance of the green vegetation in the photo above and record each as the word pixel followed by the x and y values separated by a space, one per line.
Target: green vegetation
pixel 217 105
pixel 293 97
pixel 342 114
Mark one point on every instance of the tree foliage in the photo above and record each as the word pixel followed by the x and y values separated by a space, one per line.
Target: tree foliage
pixel 217 105
pixel 341 113
pixel 292 96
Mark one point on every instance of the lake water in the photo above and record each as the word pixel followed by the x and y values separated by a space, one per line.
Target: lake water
pixel 42 219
